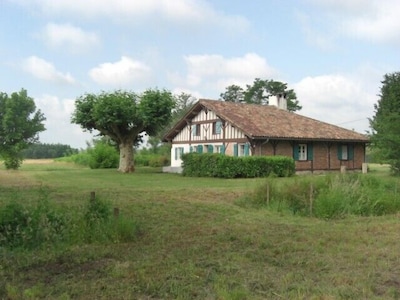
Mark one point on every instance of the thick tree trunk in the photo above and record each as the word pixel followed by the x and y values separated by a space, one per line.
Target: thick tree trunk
pixel 126 157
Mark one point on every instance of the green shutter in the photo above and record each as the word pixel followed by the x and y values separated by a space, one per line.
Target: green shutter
pixel 200 149
pixel 235 150
pixel 223 149
pixel 176 153
pixel 218 127
pixel 350 149
pixel 246 149
pixel 310 151
pixel 339 152
pixel 296 151
pixel 191 149
pixel 210 149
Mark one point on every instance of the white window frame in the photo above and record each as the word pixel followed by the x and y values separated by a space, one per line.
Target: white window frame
pixel 178 152
pixel 345 152
pixel 303 152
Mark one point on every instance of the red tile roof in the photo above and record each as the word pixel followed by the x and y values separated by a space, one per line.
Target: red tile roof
pixel 265 121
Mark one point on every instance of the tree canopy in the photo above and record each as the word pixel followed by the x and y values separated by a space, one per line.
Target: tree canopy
pixel 385 124
pixel 259 92
pixel 123 116
pixel 20 124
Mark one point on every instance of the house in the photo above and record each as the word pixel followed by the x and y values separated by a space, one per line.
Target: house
pixel 241 129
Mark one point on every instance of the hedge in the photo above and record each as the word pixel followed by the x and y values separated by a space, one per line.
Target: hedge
pixel 223 166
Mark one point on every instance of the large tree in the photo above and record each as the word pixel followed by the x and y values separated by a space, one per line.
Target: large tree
pixel 385 124
pixel 20 124
pixel 259 92
pixel 123 116
pixel 233 93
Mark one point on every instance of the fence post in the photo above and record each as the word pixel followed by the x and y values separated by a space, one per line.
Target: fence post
pixel 116 212
pixel 92 196
pixel 267 194
pixel 311 198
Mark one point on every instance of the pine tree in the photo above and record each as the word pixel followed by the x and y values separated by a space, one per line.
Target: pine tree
pixel 385 124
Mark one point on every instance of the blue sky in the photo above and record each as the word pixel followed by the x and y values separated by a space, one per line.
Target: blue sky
pixel 333 53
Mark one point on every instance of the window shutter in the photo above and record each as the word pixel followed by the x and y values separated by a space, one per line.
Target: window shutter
pixel 296 151
pixel 351 152
pixel 191 149
pixel 218 127
pixel 210 149
pixel 339 152
pixel 246 149
pixel 310 151
pixel 176 153
pixel 222 149
pixel 200 149
pixel 235 150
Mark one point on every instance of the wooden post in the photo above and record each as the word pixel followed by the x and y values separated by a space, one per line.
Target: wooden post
pixel 267 194
pixel 92 196
pixel 311 198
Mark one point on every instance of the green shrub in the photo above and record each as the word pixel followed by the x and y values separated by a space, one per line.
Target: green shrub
pixel 151 160
pixel 103 156
pixel 223 166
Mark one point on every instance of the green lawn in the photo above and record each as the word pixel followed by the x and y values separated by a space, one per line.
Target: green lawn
pixel 197 243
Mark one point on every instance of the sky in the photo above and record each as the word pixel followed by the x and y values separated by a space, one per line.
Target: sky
pixel 333 53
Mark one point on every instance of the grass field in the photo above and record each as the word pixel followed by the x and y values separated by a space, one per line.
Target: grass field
pixel 196 242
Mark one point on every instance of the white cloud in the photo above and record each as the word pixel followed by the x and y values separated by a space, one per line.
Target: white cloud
pixel 194 11
pixel 215 72
pixel 373 20
pixel 58 122
pixel 45 70
pixel 68 36
pixel 337 99
pixel 123 73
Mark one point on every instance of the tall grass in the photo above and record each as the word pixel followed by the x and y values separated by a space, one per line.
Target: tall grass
pixel 42 224
pixel 329 196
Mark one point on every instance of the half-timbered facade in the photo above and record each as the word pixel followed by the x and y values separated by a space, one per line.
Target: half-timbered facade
pixel 247 129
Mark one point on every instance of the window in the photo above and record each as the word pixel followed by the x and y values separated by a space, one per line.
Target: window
pixel 241 149
pixel 196 130
pixel 178 152
pixel 303 152
pixel 197 149
pixel 345 152
pixel 219 149
pixel 216 127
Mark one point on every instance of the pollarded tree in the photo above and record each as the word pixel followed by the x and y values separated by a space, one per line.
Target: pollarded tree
pixel 385 124
pixel 20 124
pixel 123 116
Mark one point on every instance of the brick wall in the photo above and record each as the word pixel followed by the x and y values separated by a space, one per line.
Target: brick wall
pixel 325 155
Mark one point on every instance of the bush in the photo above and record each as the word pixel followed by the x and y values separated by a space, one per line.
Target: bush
pixel 103 156
pixel 223 166
pixel 151 160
